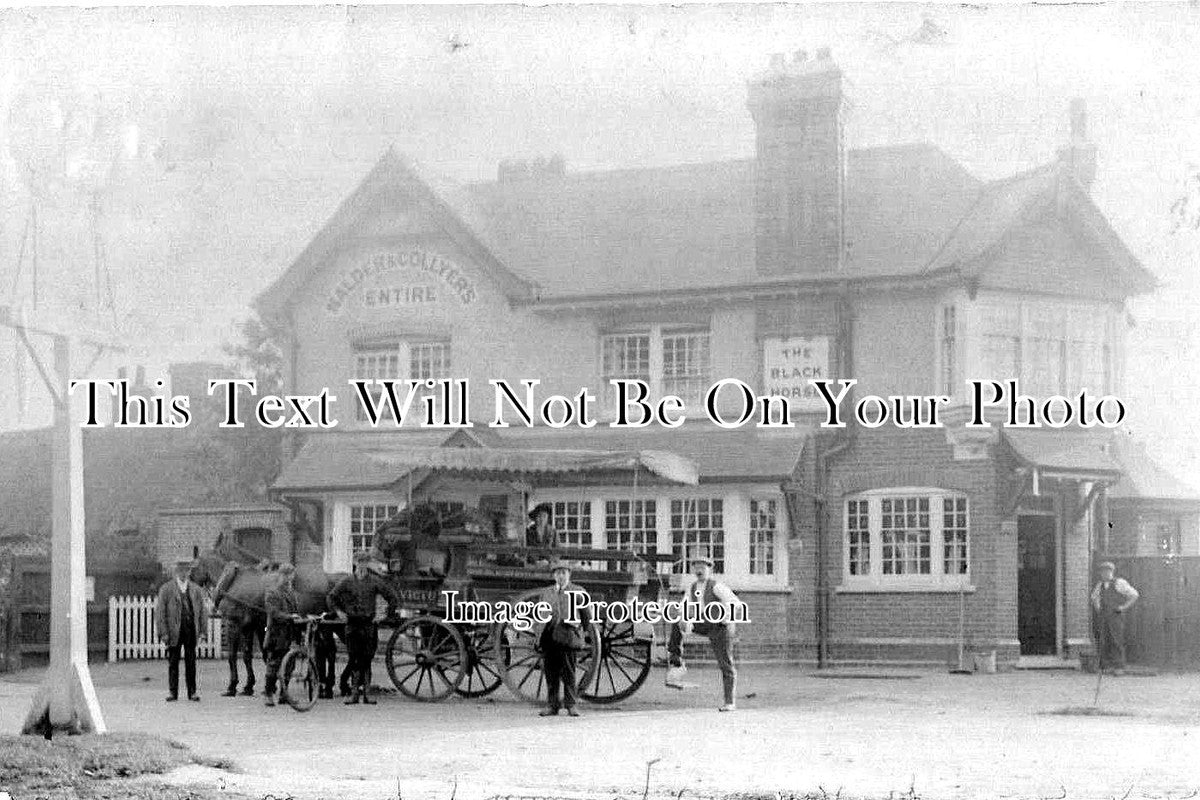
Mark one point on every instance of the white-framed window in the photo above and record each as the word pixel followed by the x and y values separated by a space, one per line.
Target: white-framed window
pixel 907 537
pixel 364 519
pixel 948 368
pixel 671 360
pixel 631 525
pixel 698 529
pixel 764 523
pixel 1051 347
pixel 573 521
pixel 399 360
pixel 741 527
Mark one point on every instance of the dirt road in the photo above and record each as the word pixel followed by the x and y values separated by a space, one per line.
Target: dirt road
pixel 932 734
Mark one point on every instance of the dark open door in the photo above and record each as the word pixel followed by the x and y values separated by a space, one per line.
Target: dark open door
pixel 1036 585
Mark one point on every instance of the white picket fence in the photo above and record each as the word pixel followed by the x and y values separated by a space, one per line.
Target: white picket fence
pixel 133 635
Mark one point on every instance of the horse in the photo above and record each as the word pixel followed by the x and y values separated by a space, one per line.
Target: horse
pixel 239 597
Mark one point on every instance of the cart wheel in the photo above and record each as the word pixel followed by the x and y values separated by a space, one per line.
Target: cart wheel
pixel 425 658
pixel 298 680
pixel 483 673
pixel 622 666
pixel 521 658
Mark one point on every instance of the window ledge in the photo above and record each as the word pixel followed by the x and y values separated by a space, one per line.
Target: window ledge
pixel 900 588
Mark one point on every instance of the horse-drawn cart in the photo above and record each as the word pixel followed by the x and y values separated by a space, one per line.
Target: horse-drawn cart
pixel 430 657
pixel 430 554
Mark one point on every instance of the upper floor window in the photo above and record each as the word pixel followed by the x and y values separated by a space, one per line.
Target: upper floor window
pixel 1052 348
pixel 949 346
pixel 671 360
pixel 906 537
pixel 400 360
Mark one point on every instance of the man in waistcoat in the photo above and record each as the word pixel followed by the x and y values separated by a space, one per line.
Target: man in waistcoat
pixel 561 640
pixel 704 591
pixel 181 618
pixel 282 606
pixel 1111 598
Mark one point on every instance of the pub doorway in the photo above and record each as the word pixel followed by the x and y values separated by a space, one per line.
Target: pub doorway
pixel 1037 584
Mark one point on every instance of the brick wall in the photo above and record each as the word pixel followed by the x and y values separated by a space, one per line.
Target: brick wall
pixel 921 626
pixel 183 533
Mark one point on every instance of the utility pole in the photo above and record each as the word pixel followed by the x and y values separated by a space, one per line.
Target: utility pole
pixel 66 700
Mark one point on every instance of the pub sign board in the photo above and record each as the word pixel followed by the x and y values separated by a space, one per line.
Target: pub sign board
pixel 790 363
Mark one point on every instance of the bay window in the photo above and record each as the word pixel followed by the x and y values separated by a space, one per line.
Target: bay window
pixel 1051 347
pixel 915 538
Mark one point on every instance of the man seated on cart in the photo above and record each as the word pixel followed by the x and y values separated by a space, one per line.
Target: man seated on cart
pixel 541 532
pixel 354 597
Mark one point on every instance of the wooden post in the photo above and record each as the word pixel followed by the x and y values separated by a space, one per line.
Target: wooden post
pixel 66 700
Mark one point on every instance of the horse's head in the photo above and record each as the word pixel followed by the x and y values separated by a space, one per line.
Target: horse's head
pixel 208 568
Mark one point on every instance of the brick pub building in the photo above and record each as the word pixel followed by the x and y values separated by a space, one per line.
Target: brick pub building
pixel 890 265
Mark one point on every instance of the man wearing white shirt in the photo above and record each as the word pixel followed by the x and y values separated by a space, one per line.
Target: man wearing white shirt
pixel 1111 598
pixel 699 595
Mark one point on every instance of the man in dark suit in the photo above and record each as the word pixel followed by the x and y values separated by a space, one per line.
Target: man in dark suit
pixel 561 639
pixel 354 598
pixel 182 618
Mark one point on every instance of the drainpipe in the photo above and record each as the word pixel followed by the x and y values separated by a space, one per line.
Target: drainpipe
pixel 844 438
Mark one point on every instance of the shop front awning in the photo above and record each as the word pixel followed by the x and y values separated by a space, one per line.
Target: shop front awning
pixel 334 462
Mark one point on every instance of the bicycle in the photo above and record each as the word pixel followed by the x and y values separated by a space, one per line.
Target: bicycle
pixel 299 684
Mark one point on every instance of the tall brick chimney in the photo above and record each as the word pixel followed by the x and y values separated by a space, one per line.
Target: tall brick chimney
pixel 1080 155
pixel 800 171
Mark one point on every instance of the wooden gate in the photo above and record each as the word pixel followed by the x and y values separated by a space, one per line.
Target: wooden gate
pixel 1163 629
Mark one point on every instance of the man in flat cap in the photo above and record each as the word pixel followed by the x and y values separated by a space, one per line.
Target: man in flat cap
pixel 282 614
pixel 355 597
pixel 561 640
pixel 699 595
pixel 1111 598
pixel 181 617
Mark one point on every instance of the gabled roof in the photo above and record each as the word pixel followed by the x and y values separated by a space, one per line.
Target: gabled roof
pixel 1005 204
pixel 911 211
pixel 394 176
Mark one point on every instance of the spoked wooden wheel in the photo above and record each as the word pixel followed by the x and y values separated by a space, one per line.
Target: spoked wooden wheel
pixel 426 658
pixel 622 666
pixel 484 667
pixel 298 680
pixel 521 658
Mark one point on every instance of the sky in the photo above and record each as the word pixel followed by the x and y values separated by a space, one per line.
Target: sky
pixel 219 140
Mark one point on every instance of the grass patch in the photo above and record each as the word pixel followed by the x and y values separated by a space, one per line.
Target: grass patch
pixel 96 768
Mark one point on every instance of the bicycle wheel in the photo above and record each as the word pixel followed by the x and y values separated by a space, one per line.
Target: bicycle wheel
pixel 298 680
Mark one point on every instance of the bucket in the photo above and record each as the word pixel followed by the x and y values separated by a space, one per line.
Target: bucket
pixel 985 662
